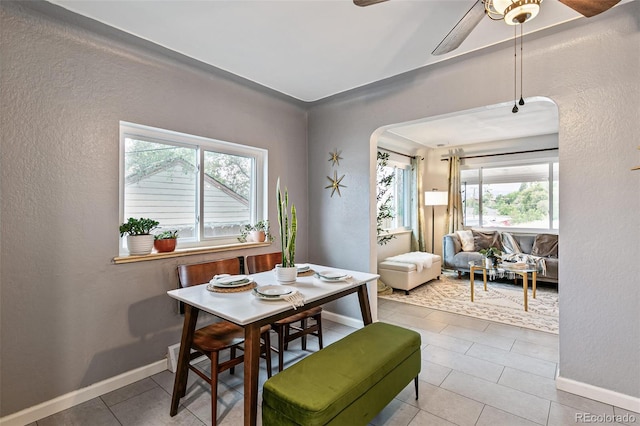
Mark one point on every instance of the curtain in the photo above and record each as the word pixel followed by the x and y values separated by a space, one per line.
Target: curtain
pixel 454 205
pixel 417 206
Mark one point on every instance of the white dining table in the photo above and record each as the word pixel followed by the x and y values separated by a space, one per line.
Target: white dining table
pixel 251 313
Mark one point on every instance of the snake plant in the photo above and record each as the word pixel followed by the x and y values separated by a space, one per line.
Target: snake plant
pixel 288 227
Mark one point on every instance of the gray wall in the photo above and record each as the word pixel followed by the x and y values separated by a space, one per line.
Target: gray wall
pixel 591 70
pixel 70 317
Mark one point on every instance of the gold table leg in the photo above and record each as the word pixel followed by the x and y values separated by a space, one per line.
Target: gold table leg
pixel 472 268
pixel 524 286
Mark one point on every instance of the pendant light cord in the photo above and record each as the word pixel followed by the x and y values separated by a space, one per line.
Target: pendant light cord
pixel 521 63
pixel 515 70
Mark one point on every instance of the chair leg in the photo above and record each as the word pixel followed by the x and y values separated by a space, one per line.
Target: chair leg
pixel 267 351
pixel 232 370
pixel 214 387
pixel 318 319
pixel 303 324
pixel 286 337
pixel 281 349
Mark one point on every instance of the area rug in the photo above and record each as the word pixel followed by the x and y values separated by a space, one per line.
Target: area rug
pixel 502 302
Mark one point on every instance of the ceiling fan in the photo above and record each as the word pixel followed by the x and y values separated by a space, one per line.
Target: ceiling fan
pixel 512 11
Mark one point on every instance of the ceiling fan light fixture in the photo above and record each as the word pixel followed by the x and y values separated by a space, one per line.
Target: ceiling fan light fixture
pixel 514 12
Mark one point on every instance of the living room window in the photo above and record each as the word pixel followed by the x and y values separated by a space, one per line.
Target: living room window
pixel 204 188
pixel 397 193
pixel 523 197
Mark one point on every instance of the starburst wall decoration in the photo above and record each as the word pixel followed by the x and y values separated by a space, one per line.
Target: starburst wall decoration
pixel 335 158
pixel 335 183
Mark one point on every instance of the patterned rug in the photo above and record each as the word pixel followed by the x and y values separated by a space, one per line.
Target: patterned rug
pixel 502 302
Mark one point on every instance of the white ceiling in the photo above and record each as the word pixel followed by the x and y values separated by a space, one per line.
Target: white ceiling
pixel 539 116
pixel 313 49
pixel 307 49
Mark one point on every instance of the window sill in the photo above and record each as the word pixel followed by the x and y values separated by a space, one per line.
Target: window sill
pixel 187 252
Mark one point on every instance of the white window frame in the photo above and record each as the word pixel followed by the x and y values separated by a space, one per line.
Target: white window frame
pixel 482 166
pixel 258 205
pixel 406 192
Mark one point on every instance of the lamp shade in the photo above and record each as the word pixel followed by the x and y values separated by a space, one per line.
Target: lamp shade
pixel 517 11
pixel 436 198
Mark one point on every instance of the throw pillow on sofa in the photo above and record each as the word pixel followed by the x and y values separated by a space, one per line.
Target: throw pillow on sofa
pixel 545 245
pixel 466 240
pixel 486 239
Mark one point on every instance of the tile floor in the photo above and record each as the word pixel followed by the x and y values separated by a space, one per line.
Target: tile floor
pixel 474 372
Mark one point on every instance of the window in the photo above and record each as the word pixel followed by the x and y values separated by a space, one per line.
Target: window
pixel 519 196
pixel 396 196
pixel 204 188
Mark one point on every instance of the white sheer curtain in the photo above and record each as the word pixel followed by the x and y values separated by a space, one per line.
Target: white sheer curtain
pixel 454 206
pixel 417 206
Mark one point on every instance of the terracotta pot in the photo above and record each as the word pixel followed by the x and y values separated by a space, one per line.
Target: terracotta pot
pixel 165 245
pixel 256 236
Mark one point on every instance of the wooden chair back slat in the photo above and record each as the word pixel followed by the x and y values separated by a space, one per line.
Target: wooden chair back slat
pixel 262 262
pixel 201 273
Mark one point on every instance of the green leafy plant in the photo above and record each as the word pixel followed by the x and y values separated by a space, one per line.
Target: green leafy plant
pixel 262 225
pixel 166 235
pixel 384 199
pixel 490 252
pixel 288 227
pixel 142 226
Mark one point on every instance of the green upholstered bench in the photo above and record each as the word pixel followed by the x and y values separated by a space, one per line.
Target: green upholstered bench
pixel 348 382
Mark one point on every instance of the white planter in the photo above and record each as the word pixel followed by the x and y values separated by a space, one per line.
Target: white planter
pixel 139 245
pixel 286 275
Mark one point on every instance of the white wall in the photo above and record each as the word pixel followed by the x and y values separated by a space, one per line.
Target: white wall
pixel 590 69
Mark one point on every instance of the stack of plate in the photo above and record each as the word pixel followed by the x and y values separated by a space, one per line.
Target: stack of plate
pixel 272 292
pixel 303 267
pixel 332 276
pixel 230 281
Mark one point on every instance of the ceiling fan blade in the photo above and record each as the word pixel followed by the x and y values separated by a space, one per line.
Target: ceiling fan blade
pixel 590 8
pixel 462 29
pixel 364 3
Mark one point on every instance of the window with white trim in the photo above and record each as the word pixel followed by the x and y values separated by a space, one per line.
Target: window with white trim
pixel 523 196
pixel 398 193
pixel 205 188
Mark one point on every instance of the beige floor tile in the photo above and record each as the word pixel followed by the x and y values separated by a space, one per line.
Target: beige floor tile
pixel 493 417
pixel 513 360
pixel 396 413
pixel 460 362
pixel 482 337
pixel 535 350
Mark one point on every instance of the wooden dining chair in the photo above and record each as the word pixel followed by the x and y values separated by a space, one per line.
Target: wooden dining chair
pixel 299 322
pixel 214 338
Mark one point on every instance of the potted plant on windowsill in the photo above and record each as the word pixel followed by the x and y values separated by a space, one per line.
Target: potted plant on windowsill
pixel 491 255
pixel 287 271
pixel 258 233
pixel 138 232
pixel 165 241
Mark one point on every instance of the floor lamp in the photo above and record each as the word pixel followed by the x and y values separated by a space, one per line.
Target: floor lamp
pixel 435 198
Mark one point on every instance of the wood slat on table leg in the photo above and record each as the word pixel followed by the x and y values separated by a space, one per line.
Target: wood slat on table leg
pixel 251 367
pixel 182 369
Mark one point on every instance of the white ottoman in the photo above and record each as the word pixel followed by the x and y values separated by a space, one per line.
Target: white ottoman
pixel 402 274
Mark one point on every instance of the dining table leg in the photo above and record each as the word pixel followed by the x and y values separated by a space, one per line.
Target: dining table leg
pixel 251 372
pixel 365 307
pixel 182 368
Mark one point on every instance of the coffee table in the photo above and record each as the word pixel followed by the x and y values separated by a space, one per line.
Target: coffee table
pixel 517 268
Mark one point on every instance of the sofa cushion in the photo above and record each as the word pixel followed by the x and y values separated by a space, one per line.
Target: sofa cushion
pixel 466 240
pixel 397 266
pixel 486 239
pixel 545 245
pixel 525 242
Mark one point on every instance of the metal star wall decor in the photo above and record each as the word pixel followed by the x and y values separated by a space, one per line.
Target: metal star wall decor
pixel 335 158
pixel 335 183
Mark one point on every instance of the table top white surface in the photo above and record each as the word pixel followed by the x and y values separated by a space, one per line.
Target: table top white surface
pixel 244 308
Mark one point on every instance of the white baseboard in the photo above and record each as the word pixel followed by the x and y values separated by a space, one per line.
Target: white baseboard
pixel 71 399
pixel 342 319
pixel 607 396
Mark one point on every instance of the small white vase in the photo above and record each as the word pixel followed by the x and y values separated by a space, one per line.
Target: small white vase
pixel 139 245
pixel 286 275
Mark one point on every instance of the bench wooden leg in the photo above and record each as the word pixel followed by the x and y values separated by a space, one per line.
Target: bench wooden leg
pixel 416 383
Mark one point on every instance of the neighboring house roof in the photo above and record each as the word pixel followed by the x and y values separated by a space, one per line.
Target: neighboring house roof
pixel 165 192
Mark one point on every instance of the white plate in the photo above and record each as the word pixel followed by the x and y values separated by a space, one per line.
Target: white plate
pixel 273 290
pixel 271 298
pixel 230 281
pixel 332 275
